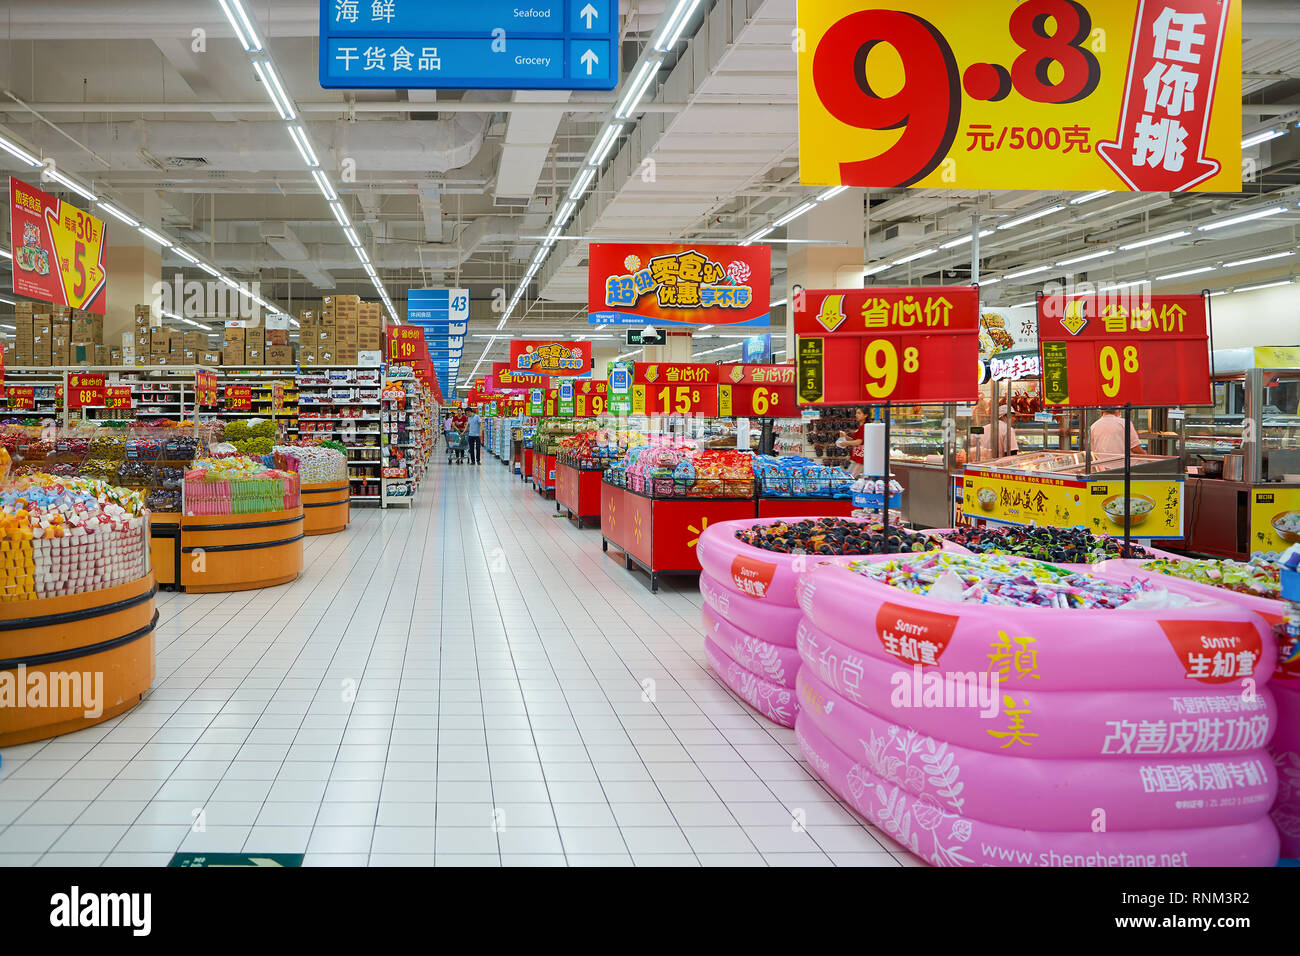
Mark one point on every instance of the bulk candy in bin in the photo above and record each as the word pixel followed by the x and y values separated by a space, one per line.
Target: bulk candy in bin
pixel 832 536
pixel 1258 577
pixel 992 579
pixel 315 465
pixel 62 537
pixel 1066 545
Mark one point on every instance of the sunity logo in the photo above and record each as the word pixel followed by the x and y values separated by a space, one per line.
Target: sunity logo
pixel 77 909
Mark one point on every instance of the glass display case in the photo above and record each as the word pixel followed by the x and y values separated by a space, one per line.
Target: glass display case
pixel 1243 454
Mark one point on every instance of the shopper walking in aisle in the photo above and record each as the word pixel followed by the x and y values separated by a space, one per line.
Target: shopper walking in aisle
pixel 856 443
pixel 475 426
pixel 460 422
pixel 1107 434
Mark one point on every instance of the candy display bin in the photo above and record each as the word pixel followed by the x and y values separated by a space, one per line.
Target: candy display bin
pixel 241 552
pixel 326 507
pixel 98 643
pixel 577 491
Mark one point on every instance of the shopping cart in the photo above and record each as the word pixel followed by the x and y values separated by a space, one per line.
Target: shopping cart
pixel 456 445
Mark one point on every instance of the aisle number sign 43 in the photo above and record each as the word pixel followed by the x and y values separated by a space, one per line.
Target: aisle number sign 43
pixel 1042 94
pixel 912 344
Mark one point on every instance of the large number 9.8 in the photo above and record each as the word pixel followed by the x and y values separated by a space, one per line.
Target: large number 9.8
pixel 1030 72
pixel 927 108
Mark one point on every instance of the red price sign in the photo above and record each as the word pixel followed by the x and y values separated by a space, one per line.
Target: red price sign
pixel 205 384
pixel 21 396
pixel 85 391
pixel 757 391
pixel 916 345
pixel 1108 350
pixel 406 343
pixel 675 389
pixel 590 399
pixel 239 398
pixel 277 398
pixel 117 396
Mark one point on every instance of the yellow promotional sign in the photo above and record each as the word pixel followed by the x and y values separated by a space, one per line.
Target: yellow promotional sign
pixel 1274 519
pixel 1157 509
pixel 1133 95
pixel 1277 356
pixel 724 401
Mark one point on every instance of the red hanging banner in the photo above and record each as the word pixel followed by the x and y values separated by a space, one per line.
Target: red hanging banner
pixel 85 391
pixel 917 345
pixel 1102 351
pixel 239 398
pixel 757 391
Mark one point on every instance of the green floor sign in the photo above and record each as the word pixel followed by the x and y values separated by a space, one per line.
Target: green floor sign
pixel 236 859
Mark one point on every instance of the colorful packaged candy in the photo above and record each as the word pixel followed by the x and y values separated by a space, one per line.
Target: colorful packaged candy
pixel 1259 577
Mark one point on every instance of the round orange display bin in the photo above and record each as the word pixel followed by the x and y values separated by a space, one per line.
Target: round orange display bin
pixel 67 663
pixel 241 552
pixel 326 507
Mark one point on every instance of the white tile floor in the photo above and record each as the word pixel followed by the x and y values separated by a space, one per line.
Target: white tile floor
pixel 461 683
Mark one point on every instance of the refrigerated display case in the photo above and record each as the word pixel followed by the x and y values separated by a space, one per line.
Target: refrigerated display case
pixel 1243 455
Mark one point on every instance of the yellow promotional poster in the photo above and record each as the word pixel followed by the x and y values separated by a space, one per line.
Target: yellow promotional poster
pixel 58 250
pixel 1277 356
pixel 1274 519
pixel 1132 95
pixel 1157 506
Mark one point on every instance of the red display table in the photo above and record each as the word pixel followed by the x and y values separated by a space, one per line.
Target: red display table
pixel 802 507
pixel 526 474
pixel 658 535
pixel 577 491
pixel 544 474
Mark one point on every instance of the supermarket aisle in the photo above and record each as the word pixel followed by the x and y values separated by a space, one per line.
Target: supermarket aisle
pixel 461 684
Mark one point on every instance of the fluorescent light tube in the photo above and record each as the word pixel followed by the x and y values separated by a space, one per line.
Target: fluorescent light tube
pixel 161 240
pixel 581 183
pixel 265 72
pixel 185 255
pixel 872 270
pixel 1086 258
pixel 1031 217
pixel 1238 220
pixel 244 28
pixel 1266 285
pixel 761 234
pixel 299 137
pixel 1251 262
pixel 1089 197
pixel 793 214
pixel 9 146
pixel 6 253
pixel 1263 136
pixel 1025 272
pixel 675 24
pixel 637 88
pixel 914 256
pixel 352 235
pixel 361 254
pixel 607 142
pixel 831 193
pixel 566 210
pixel 209 270
pixel 339 214
pixel 324 185
pixel 1153 240
pixel 118 214
pixel 1185 273
pixel 72 184
pixel 994 281
pixel 953 244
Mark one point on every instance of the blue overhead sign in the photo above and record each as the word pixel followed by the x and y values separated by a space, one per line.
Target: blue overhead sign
pixel 444 316
pixel 484 44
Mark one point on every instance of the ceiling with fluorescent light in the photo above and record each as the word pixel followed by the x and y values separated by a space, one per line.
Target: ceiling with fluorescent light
pixel 469 188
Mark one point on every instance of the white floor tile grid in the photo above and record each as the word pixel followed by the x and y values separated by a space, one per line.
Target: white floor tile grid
pixel 465 682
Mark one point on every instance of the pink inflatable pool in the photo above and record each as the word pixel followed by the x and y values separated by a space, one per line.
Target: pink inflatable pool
pixel 932 829
pixel 1206 644
pixel 1091 724
pixel 1017 788
pixel 1285 750
pixel 772 662
pixel 753 572
pixel 769 622
pixel 773 701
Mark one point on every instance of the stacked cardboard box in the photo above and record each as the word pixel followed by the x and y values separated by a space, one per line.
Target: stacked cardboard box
pixel 142 340
pixel 278 349
pixel 23 352
pixel 42 339
pixel 234 343
pixel 255 345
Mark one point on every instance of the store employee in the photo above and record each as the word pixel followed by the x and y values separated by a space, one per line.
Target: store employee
pixel 1107 434
pixel 1007 443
